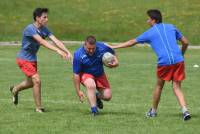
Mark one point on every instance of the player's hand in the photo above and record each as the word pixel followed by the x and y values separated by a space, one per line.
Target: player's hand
pixel 113 64
pixel 62 54
pixel 81 96
pixel 69 56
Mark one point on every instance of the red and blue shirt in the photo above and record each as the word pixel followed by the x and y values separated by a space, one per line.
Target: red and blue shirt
pixel 84 63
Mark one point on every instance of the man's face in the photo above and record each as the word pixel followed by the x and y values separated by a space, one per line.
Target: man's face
pixel 150 21
pixel 43 19
pixel 90 48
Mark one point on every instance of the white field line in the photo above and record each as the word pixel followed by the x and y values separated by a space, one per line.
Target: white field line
pixel 17 43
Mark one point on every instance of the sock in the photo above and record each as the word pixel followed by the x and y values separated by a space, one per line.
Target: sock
pixel 153 110
pixel 184 109
pixel 94 109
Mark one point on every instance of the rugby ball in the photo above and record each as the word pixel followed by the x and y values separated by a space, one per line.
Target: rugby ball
pixel 107 58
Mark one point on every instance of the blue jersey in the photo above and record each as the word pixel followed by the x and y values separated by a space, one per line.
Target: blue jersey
pixel 29 45
pixel 84 63
pixel 163 40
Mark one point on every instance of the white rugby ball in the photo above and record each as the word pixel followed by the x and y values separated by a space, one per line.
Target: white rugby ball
pixel 107 58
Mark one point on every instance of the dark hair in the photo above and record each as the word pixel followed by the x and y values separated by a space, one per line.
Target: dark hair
pixel 91 40
pixel 155 14
pixel 38 12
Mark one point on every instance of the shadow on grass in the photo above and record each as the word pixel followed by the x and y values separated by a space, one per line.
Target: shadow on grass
pixel 111 113
pixel 179 115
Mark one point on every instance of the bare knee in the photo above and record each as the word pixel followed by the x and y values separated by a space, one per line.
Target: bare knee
pixel 160 84
pixel 107 95
pixel 90 84
pixel 176 85
pixel 36 80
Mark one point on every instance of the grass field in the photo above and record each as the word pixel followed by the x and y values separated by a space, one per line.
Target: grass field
pixel 109 20
pixel 132 83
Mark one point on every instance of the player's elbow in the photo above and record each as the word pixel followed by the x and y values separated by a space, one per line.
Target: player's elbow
pixel 184 42
pixel 132 42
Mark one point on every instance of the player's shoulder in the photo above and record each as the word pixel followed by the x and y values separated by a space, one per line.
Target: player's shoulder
pixel 79 51
pixel 169 25
pixel 29 26
pixel 101 44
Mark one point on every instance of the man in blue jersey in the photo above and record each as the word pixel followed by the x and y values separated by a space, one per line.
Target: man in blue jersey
pixel 163 39
pixel 33 37
pixel 88 70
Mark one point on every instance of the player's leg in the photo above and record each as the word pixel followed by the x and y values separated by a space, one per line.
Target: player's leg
pixel 163 73
pixel 91 88
pixel 178 93
pixel 29 69
pixel 181 99
pixel 105 94
pixel 37 92
pixel 157 93
pixel 104 90
pixel 178 77
pixel 156 97
pixel 90 85
pixel 27 83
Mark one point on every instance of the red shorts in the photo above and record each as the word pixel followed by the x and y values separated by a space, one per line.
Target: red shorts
pixel 174 72
pixel 101 81
pixel 29 68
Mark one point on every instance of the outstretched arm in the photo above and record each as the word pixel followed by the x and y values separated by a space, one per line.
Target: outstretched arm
pixel 125 44
pixel 185 44
pixel 46 44
pixel 61 46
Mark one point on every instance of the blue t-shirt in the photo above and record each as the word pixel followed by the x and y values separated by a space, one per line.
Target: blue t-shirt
pixel 29 45
pixel 163 40
pixel 84 63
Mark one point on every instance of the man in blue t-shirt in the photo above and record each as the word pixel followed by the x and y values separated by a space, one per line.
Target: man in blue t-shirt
pixel 163 40
pixel 88 70
pixel 33 37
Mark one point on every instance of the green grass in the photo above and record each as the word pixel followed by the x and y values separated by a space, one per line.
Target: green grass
pixel 109 20
pixel 132 85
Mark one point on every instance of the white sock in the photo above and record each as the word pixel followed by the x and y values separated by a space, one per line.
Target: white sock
pixel 153 110
pixel 184 109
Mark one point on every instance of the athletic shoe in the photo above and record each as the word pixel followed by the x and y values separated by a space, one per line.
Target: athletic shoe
pixel 150 113
pixel 94 111
pixel 186 116
pixel 99 102
pixel 39 110
pixel 14 95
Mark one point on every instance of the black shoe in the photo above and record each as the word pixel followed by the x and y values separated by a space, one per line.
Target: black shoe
pixel 14 95
pixel 99 103
pixel 39 110
pixel 186 116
